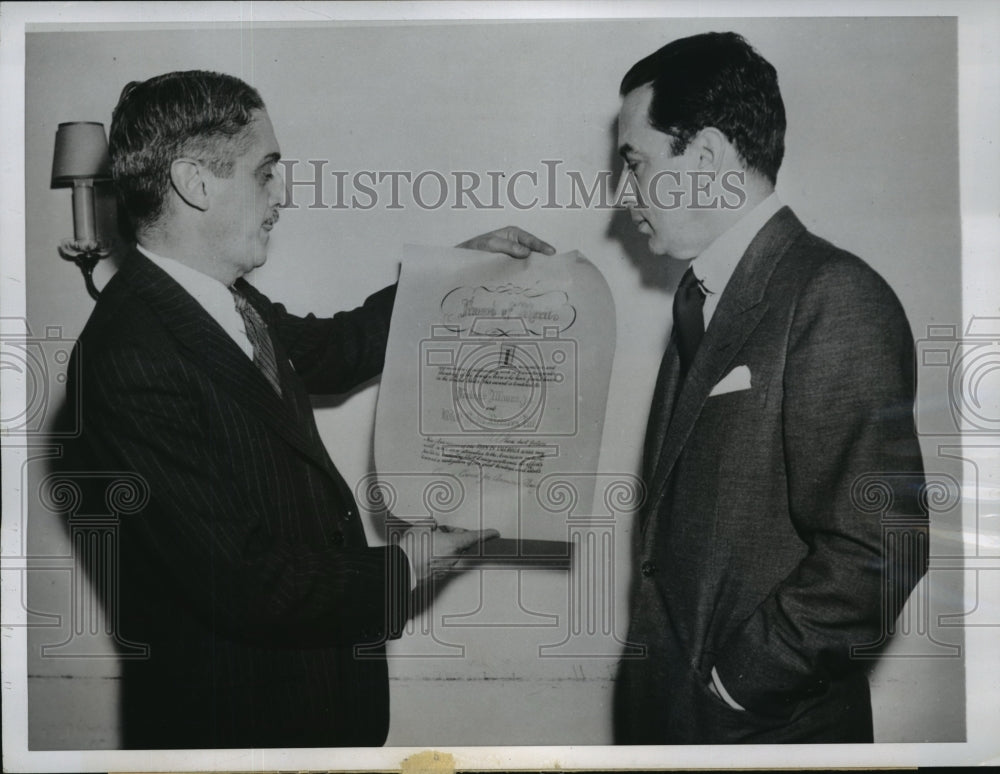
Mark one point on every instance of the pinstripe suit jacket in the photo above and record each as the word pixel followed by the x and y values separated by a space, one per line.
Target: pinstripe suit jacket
pixel 247 573
pixel 758 552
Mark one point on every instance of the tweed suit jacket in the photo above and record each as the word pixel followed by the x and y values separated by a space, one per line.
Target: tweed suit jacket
pixel 755 551
pixel 247 572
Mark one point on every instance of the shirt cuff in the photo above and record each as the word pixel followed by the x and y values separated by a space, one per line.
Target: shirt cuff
pixel 717 682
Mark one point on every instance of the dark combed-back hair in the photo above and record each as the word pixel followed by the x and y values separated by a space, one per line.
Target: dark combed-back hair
pixel 194 114
pixel 715 79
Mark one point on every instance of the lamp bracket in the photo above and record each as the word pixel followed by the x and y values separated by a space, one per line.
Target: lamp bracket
pixel 86 256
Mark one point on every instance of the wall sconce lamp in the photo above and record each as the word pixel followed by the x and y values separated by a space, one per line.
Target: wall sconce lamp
pixel 80 160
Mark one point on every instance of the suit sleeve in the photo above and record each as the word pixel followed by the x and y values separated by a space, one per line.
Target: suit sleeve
pixel 205 534
pixel 333 355
pixel 847 419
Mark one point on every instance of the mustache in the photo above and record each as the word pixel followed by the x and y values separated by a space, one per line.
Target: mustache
pixel 272 218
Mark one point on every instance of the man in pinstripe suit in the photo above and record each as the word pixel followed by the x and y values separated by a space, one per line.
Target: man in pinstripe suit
pixel 248 572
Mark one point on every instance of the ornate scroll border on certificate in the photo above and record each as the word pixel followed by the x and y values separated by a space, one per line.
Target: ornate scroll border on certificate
pixel 492 401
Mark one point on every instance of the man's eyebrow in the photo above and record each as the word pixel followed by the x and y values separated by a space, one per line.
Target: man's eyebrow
pixel 270 158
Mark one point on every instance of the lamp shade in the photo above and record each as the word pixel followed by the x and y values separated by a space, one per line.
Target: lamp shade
pixel 81 153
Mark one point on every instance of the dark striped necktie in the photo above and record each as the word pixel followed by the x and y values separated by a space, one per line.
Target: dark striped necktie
pixel 263 347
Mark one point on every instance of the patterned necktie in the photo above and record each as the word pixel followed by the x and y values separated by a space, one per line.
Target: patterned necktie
pixel 689 318
pixel 263 347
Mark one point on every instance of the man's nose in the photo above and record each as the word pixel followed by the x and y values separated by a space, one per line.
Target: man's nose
pixel 276 191
pixel 625 194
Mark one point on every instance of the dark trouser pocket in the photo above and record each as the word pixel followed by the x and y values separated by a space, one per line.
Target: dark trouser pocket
pixel 842 714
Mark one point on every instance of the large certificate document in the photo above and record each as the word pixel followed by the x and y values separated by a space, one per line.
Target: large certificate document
pixel 491 405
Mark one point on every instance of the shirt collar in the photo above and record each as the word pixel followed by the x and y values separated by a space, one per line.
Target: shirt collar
pixel 717 262
pixel 214 297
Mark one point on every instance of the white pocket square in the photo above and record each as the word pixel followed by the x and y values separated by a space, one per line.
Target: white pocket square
pixel 736 380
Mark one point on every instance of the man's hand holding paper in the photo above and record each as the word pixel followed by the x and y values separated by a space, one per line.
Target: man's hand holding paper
pixel 510 240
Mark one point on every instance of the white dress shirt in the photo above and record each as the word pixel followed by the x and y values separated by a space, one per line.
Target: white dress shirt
pixel 214 297
pixel 717 262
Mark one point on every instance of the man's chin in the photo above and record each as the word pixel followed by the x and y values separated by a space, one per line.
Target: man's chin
pixel 658 248
pixel 258 259
pixel 662 250
pixel 260 250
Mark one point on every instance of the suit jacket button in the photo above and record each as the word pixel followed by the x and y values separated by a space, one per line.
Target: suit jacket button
pixel 648 569
pixel 338 539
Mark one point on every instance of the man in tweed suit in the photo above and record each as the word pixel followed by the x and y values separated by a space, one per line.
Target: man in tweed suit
pixel 247 573
pixel 786 388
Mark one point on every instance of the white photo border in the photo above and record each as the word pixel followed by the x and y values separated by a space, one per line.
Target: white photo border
pixel 979 117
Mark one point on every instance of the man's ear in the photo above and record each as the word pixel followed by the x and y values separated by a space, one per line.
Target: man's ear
pixel 187 178
pixel 713 148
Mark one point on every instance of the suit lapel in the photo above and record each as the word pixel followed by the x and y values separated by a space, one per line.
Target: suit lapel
pixel 204 341
pixel 740 310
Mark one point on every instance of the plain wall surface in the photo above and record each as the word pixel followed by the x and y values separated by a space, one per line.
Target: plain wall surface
pixel 871 164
